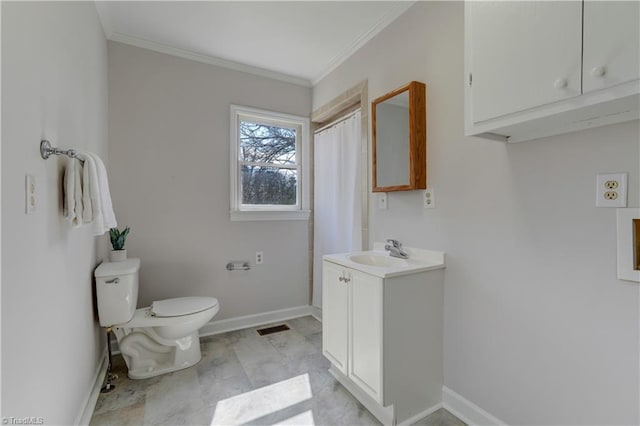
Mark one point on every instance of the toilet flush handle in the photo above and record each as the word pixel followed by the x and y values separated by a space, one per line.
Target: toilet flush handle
pixel 113 281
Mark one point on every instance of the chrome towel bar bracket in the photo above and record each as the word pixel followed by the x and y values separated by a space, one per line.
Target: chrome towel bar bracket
pixel 46 150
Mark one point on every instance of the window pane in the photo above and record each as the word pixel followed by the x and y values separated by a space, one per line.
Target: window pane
pixel 261 143
pixel 269 185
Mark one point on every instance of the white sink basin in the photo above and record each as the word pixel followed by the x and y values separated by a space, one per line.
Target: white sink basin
pixel 375 259
pixel 378 262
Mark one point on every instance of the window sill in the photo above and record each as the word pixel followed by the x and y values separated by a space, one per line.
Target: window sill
pixel 259 215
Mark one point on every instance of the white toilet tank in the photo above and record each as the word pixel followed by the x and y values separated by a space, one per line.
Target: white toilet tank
pixel 117 291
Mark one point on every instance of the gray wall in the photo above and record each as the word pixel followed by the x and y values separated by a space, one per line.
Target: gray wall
pixel 54 85
pixel 538 330
pixel 169 144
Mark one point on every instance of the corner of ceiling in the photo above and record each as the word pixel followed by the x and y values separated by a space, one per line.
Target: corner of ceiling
pixel 104 18
pixel 345 54
pixel 207 59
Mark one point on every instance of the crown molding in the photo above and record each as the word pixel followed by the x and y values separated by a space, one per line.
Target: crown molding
pixel 211 60
pixel 337 60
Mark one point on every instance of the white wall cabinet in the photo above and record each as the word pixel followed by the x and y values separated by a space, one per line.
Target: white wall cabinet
pixel 383 337
pixel 611 43
pixel 536 69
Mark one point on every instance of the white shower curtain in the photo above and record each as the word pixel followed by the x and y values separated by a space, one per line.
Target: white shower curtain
pixel 337 199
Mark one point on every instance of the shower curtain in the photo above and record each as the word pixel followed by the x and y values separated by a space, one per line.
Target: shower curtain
pixel 337 199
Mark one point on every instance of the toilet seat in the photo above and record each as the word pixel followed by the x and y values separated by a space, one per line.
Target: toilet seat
pixel 181 306
pixel 144 317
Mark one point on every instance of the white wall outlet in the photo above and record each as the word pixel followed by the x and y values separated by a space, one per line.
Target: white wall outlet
pixel 30 196
pixel 382 201
pixel 429 198
pixel 259 258
pixel 611 190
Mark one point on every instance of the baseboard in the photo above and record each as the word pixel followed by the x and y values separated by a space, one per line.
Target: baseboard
pixel 238 323
pixel 316 312
pixel 86 411
pixel 466 410
pixel 420 416
pixel 384 414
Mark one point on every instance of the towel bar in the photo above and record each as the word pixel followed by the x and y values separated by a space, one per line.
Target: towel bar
pixel 238 265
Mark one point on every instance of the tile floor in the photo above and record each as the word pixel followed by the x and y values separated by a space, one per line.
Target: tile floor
pixel 244 378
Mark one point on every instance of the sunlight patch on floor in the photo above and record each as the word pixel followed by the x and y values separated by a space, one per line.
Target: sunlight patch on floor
pixel 304 418
pixel 265 401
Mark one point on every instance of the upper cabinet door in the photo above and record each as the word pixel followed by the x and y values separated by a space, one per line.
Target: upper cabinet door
pixel 611 43
pixel 522 55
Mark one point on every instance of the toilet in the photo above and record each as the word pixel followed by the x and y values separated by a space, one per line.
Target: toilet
pixel 157 339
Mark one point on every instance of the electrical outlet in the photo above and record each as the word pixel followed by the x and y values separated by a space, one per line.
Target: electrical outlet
pixel 611 184
pixel 610 195
pixel 259 258
pixel 429 198
pixel 611 190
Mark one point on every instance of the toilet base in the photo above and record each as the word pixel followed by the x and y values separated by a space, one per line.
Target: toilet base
pixel 148 355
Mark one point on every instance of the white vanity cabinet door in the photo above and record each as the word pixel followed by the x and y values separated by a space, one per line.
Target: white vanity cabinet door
pixel 611 43
pixel 521 55
pixel 365 361
pixel 335 315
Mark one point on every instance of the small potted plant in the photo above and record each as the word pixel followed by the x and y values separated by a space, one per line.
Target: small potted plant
pixel 118 238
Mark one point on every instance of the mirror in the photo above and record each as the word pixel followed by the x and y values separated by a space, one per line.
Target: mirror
pixel 399 140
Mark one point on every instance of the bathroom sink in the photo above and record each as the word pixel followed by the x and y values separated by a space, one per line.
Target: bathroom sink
pixel 375 259
pixel 379 263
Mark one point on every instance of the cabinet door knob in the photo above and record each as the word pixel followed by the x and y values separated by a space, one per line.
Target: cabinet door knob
pixel 599 71
pixel 561 83
pixel 341 279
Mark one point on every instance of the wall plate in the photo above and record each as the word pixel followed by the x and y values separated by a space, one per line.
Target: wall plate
pixel 382 201
pixel 611 190
pixel 29 194
pixel 429 198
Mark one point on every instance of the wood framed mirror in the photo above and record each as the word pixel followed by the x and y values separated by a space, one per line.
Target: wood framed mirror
pixel 399 121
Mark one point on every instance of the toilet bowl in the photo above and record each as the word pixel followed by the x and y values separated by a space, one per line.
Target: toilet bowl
pixel 156 339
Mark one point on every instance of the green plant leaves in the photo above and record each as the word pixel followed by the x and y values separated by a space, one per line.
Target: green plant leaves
pixel 118 238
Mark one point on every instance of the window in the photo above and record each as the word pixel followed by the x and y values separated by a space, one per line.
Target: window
pixel 269 165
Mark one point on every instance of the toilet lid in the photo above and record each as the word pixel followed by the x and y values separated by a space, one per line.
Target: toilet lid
pixel 182 306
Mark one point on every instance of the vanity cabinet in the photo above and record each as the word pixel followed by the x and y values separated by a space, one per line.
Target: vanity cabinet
pixel 353 301
pixel 535 69
pixel 383 337
pixel 335 314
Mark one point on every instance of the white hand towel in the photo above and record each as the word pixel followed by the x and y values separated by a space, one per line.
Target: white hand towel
pixel 73 192
pixel 89 189
pixel 106 206
pixel 98 209
pixel 79 205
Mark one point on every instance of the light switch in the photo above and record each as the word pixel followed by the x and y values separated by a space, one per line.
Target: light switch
pixel 382 200
pixel 30 195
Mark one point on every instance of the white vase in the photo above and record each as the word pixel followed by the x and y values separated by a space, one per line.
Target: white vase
pixel 118 255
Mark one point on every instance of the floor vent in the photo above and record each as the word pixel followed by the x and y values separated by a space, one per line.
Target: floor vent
pixel 274 329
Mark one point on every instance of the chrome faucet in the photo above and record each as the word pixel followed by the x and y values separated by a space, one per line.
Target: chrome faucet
pixel 395 249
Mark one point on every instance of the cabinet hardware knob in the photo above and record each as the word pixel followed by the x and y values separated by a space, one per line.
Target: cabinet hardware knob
pixel 341 279
pixel 561 83
pixel 598 71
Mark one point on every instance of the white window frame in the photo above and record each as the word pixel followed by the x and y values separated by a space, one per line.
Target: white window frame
pixel 254 212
